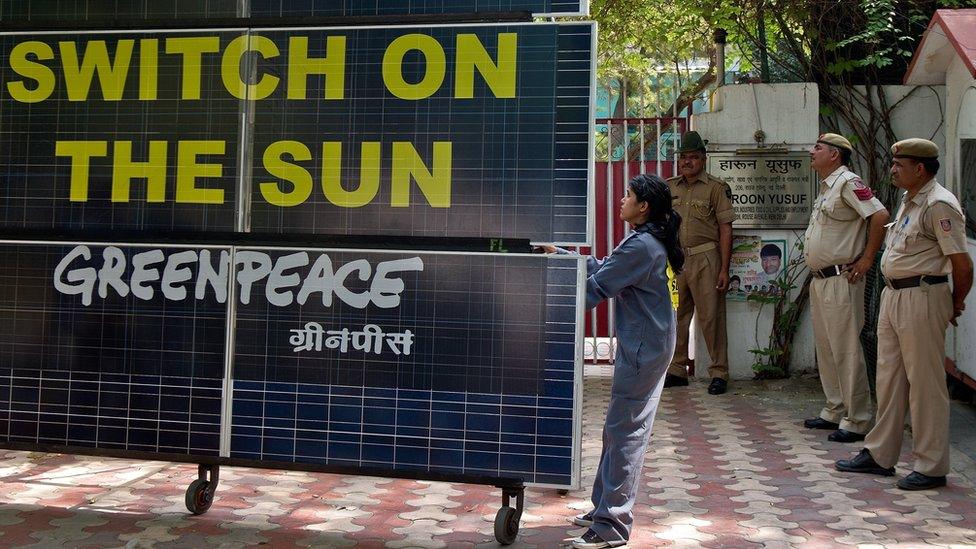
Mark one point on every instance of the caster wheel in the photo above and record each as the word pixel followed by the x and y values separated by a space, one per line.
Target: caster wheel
pixel 197 500
pixel 506 525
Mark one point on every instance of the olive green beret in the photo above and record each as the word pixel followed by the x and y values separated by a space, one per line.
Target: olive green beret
pixel 838 141
pixel 915 148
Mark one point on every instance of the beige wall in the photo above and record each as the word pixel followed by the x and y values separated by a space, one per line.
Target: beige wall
pixel 919 113
pixel 788 115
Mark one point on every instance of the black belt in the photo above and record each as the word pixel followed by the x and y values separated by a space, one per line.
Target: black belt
pixel 828 272
pixel 915 281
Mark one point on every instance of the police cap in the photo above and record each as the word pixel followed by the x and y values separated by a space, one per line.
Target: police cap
pixel 691 142
pixel 836 140
pixel 921 149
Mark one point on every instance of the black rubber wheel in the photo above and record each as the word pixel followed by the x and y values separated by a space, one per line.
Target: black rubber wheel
pixel 562 492
pixel 197 501
pixel 506 525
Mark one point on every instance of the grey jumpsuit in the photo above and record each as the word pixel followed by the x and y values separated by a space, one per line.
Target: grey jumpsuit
pixel 635 274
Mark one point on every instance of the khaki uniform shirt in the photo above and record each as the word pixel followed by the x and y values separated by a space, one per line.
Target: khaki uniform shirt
pixel 928 228
pixel 702 204
pixel 836 234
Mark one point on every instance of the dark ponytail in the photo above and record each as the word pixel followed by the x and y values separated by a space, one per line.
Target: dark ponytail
pixel 663 222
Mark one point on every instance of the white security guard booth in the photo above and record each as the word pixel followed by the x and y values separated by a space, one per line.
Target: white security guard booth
pixel 946 56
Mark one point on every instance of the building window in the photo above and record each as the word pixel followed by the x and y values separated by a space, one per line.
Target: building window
pixel 967 178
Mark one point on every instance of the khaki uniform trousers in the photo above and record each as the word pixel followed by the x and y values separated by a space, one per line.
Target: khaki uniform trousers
pixel 696 292
pixel 911 376
pixel 837 307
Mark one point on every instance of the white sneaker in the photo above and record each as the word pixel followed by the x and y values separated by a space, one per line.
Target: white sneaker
pixel 592 540
pixel 586 519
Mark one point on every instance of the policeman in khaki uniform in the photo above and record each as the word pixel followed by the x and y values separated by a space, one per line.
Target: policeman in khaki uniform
pixel 839 252
pixel 925 243
pixel 705 205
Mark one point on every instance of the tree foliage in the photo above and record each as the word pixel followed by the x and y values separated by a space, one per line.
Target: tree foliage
pixel 847 47
pixel 640 38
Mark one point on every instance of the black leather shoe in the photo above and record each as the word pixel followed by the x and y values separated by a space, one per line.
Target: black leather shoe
pixel 863 463
pixel 843 435
pixel 820 423
pixel 918 481
pixel 717 386
pixel 671 380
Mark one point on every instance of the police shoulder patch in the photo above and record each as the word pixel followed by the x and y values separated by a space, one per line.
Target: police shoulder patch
pixel 728 192
pixel 946 224
pixel 861 191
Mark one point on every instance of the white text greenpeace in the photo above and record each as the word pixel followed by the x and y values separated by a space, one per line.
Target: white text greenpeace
pixel 78 273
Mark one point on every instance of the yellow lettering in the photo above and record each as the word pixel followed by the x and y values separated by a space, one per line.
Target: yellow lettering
pixel 333 66
pixel 111 76
pixel 80 153
pixel 471 54
pixel 230 67
pixel 188 171
pixel 298 176
pixel 153 171
pixel 435 66
pixel 148 64
pixel 436 184
pixel 29 69
pixel 369 175
pixel 192 50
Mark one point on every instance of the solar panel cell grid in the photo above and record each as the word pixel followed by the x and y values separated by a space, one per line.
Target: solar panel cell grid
pixel 94 10
pixel 66 11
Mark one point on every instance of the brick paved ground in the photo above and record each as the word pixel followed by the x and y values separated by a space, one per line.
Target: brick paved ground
pixel 729 471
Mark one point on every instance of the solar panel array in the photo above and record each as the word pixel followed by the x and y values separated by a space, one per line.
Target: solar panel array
pixel 480 381
pixel 37 182
pixel 334 8
pixel 68 11
pixel 122 373
pixel 518 166
pixel 485 388
pixel 95 10
pixel 443 362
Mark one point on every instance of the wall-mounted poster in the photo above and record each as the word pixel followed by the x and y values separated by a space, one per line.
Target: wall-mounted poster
pixel 755 266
